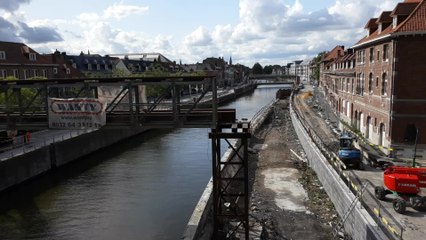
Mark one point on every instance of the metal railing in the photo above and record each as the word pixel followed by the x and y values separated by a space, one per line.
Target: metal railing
pixel 38 140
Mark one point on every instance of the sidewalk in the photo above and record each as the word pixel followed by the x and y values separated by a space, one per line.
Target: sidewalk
pixel 38 140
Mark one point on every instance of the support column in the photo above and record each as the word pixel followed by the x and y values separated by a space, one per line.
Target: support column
pixel 230 183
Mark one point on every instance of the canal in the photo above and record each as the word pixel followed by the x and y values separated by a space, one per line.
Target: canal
pixel 143 188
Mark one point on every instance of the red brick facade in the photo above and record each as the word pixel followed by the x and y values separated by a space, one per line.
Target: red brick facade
pixel 383 96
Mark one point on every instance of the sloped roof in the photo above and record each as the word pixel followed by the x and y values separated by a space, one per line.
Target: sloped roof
pixel 82 59
pixel 371 23
pixel 63 65
pixel 404 8
pixel 333 54
pixel 384 17
pixel 19 53
pixel 415 22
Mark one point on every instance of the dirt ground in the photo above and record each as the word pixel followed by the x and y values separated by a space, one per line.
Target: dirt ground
pixel 287 200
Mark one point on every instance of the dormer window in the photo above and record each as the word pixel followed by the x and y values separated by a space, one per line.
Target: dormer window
pixel 33 57
pixel 394 22
pixel 68 71
pixel 2 55
pixel 380 28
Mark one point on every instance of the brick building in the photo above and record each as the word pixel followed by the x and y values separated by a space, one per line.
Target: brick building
pixel 18 61
pixel 383 94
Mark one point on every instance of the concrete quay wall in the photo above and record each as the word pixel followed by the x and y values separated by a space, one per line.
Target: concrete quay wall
pixel 358 223
pixel 19 169
pixel 23 167
pixel 68 150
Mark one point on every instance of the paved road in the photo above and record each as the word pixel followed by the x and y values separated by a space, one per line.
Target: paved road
pixel 412 221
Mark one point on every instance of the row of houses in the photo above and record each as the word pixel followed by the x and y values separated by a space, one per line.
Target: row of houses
pixel 19 61
pixel 378 85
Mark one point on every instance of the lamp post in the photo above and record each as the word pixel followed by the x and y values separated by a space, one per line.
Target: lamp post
pixel 415 147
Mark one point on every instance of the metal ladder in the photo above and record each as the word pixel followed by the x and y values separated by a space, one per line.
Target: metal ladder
pixel 340 225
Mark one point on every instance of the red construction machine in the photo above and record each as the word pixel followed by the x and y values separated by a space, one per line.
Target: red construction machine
pixel 404 183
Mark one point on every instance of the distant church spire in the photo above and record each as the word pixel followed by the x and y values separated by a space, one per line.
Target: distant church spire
pixel 230 60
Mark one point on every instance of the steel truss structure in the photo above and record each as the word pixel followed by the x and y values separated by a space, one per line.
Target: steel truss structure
pixel 167 110
pixel 230 181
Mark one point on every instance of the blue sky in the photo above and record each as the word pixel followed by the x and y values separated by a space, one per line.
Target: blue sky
pixel 264 31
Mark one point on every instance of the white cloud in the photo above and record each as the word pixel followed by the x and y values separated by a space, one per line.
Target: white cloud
pixel 268 31
pixel 119 11
pixel 296 9
pixel 199 37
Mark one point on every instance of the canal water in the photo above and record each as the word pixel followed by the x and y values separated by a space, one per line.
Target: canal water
pixel 143 188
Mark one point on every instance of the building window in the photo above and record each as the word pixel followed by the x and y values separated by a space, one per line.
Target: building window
pixel 352 86
pixel 378 55
pixel 394 22
pixel 361 56
pixel 3 73
pixel 360 84
pixel 26 74
pixel 370 83
pixel 35 73
pixel 15 73
pixel 33 57
pixel 411 133
pixel 377 82
pixel 2 55
pixel 386 52
pixel 343 84
pixel 347 85
pixel 44 73
pixel 55 70
pixel 384 83
pixel 68 71
pixel 371 55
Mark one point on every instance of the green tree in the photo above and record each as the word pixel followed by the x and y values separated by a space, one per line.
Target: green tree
pixel 257 69
pixel 268 69
pixel 317 62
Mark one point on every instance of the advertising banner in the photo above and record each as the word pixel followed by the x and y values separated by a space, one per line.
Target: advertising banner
pixel 76 113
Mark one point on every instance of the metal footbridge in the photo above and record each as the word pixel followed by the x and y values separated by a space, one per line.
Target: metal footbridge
pixel 25 103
